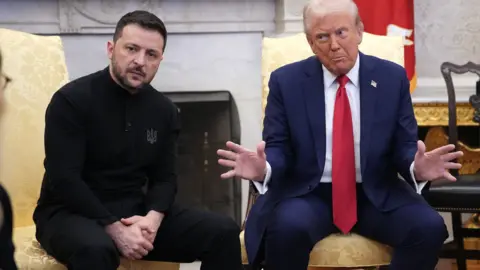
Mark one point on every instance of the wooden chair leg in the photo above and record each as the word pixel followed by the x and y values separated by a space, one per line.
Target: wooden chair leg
pixel 458 238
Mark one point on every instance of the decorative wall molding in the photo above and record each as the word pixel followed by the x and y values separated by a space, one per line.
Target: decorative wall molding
pixel 83 15
pixel 100 16
pixel 288 16
pixel 446 31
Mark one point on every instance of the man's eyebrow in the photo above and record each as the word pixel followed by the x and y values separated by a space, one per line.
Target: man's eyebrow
pixel 131 44
pixel 342 28
pixel 154 50
pixel 147 49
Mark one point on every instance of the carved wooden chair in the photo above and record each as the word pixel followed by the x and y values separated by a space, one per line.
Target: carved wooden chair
pixel 336 251
pixel 37 67
pixel 462 196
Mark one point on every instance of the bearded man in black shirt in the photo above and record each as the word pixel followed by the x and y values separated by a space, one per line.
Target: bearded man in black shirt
pixel 107 136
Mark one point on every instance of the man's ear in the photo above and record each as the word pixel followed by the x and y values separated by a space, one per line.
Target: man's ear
pixel 110 47
pixel 360 30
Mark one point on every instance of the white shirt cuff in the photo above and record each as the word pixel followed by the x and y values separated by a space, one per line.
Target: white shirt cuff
pixel 418 186
pixel 262 187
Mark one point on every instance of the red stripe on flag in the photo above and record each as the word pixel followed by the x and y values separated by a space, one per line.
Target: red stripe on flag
pixel 392 17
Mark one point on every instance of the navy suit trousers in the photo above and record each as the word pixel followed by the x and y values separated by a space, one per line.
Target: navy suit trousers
pixel 415 231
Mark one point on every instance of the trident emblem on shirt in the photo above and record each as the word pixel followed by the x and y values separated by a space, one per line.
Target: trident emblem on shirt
pixel 151 136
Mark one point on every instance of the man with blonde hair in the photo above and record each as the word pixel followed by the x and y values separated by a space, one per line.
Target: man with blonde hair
pixel 339 127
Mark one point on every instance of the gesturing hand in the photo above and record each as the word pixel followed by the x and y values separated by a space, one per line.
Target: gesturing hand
pixel 129 240
pixel 245 163
pixel 434 165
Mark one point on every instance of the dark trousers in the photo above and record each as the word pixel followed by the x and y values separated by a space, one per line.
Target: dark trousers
pixel 185 235
pixel 7 248
pixel 415 231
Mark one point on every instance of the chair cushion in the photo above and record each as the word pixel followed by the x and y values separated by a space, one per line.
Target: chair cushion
pixel 37 67
pixel 338 250
pixel 29 255
pixel 461 195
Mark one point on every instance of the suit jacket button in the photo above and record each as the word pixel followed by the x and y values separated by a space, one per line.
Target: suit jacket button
pixel 310 187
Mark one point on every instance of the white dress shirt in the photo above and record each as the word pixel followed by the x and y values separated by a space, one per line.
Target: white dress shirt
pixel 353 93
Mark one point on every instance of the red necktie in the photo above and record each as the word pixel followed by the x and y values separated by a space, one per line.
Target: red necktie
pixel 344 196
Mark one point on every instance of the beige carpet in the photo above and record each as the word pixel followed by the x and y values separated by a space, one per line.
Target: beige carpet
pixel 190 266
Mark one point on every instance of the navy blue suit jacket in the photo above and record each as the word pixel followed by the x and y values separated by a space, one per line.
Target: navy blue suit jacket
pixel 294 131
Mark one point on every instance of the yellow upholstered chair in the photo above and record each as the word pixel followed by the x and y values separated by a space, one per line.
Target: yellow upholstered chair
pixel 37 67
pixel 335 251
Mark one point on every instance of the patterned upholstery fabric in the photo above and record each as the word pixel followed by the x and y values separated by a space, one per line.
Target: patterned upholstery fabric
pixel 31 256
pixel 343 251
pixel 37 67
pixel 336 250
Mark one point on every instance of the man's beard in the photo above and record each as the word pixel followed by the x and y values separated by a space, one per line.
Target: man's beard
pixel 122 80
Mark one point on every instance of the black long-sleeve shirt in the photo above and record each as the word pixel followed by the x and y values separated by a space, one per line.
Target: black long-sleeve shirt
pixel 103 143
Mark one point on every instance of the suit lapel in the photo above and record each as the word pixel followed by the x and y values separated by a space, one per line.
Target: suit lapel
pixel 368 98
pixel 314 97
